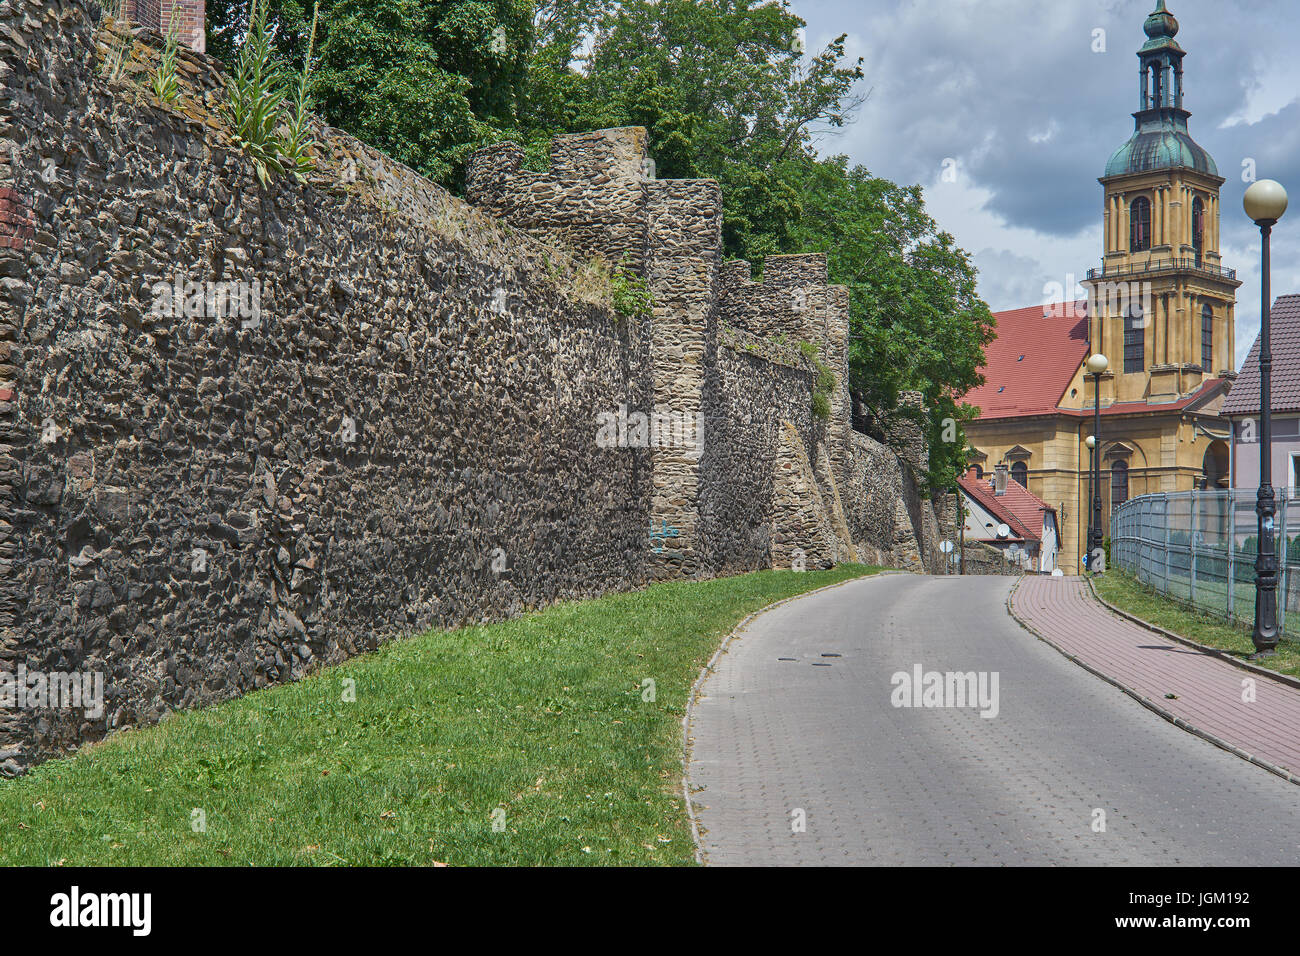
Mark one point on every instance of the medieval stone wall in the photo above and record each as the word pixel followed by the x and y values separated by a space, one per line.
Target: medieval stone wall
pixel 755 389
pixel 863 500
pixel 199 504
pixel 250 429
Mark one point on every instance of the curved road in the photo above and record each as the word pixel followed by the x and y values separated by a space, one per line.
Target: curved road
pixel 779 742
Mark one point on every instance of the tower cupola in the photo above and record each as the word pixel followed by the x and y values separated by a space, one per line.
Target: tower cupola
pixel 1160 139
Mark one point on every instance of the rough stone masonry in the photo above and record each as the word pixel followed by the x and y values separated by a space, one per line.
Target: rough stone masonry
pixel 247 430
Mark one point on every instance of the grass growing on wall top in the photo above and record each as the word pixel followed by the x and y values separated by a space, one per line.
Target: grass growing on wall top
pixel 163 81
pixel 542 717
pixel 823 381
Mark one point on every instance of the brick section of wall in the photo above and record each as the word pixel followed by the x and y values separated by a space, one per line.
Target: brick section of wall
pixel 17 222
pixel 157 15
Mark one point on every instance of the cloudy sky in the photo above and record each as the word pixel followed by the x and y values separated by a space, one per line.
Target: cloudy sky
pixel 1013 93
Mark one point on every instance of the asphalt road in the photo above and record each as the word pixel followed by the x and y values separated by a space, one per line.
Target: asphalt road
pixel 795 762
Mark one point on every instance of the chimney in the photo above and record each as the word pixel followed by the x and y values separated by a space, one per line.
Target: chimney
pixel 1000 473
pixel 156 15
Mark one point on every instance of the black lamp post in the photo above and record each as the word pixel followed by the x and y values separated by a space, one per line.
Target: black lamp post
pixel 1265 203
pixel 1091 442
pixel 1096 365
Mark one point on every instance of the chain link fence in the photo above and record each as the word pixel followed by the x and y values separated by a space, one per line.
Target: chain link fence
pixel 1199 548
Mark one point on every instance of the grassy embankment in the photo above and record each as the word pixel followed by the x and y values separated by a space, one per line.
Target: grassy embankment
pixel 544 722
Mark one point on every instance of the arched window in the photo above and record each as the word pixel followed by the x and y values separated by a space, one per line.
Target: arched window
pixel 1135 340
pixel 1140 225
pixel 1207 338
pixel 1198 228
pixel 1020 473
pixel 1118 483
pixel 979 471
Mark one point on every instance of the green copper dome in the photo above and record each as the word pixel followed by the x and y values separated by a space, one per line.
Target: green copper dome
pixel 1160 143
pixel 1160 139
pixel 1160 26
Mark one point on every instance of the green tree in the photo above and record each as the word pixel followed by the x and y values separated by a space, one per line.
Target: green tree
pixel 426 81
pixel 725 92
pixel 916 320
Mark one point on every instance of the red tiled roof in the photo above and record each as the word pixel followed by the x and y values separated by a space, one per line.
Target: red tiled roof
pixel 1028 366
pixel 1284 343
pixel 1020 509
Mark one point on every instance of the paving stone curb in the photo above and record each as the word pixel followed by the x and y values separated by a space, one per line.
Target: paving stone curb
pixel 1213 651
pixel 1147 702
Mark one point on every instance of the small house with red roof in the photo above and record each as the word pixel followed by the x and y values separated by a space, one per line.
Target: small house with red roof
pixel 1005 515
pixel 1160 308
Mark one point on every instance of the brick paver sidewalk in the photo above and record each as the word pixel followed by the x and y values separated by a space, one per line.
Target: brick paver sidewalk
pixel 1207 691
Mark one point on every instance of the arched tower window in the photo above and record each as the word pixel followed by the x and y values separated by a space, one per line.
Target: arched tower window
pixel 1140 225
pixel 1207 338
pixel 1198 228
pixel 1118 483
pixel 1135 340
pixel 1020 473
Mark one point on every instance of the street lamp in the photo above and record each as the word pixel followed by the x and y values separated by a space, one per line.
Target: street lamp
pixel 1265 203
pixel 1097 366
pixel 1091 442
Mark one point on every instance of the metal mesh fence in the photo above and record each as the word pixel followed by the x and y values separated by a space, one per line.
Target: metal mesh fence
pixel 1199 548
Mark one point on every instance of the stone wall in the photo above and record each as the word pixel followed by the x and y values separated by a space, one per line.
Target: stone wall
pixel 863 500
pixel 249 430
pixel 981 558
pixel 200 504
pixel 757 392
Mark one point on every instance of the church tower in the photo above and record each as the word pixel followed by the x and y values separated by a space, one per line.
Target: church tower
pixel 1161 304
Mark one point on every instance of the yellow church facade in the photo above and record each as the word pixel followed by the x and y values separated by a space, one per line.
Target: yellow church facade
pixel 1160 308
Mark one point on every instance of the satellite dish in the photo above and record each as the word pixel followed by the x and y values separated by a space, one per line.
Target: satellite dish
pixel 1003 530
pixel 1057 573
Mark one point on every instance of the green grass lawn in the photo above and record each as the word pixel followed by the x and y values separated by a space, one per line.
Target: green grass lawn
pixel 1127 593
pixel 1211 596
pixel 542 721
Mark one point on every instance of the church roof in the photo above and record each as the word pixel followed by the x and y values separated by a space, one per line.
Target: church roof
pixel 1284 342
pixel 1160 142
pixel 1160 138
pixel 1031 362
